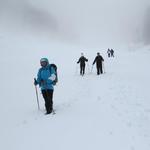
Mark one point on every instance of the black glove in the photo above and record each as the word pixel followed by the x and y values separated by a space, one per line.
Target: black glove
pixel 35 82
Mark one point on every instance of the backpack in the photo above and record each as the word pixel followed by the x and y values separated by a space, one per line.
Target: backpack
pixel 55 68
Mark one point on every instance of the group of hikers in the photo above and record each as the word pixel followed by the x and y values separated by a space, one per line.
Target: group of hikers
pixel 98 60
pixel 110 52
pixel 47 78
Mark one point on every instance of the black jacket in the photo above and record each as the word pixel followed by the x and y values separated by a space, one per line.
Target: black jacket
pixel 82 60
pixel 98 60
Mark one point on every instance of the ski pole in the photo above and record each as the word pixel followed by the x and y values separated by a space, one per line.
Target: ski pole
pixel 103 67
pixel 37 95
pixel 92 69
pixel 88 67
pixel 76 71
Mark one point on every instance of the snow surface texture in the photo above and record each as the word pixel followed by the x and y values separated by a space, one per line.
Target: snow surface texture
pixel 110 111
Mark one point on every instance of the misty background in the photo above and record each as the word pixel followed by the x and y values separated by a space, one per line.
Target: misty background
pixel 84 22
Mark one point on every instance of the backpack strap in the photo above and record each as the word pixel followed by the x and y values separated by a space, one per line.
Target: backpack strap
pixel 50 68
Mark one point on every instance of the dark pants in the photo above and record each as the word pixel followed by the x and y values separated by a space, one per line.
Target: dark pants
pixel 82 69
pixel 99 69
pixel 48 97
pixel 112 55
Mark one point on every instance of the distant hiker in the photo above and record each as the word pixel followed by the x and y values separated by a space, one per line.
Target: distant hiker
pixel 112 52
pixel 82 61
pixel 108 52
pixel 99 60
pixel 45 77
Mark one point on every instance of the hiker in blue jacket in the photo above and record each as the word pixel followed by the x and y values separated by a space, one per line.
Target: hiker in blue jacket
pixel 45 77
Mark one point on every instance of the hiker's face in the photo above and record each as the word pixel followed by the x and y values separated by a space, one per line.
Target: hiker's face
pixel 43 63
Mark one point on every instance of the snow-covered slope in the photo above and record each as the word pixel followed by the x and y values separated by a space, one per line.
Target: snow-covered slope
pixel 110 111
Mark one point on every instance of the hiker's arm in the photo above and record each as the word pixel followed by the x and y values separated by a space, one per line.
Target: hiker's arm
pixel 78 61
pixel 38 77
pixel 94 60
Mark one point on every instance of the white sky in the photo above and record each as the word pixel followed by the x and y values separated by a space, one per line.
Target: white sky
pixel 82 21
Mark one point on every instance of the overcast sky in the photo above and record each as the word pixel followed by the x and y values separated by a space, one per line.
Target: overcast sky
pixel 79 20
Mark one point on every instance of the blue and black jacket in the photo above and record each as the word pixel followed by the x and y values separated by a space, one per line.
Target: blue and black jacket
pixel 45 77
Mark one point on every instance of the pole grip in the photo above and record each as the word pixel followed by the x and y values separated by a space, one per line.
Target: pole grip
pixel 37 95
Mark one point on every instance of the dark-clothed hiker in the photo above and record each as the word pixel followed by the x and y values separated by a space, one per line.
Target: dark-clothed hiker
pixel 45 77
pixel 112 52
pixel 82 61
pixel 99 63
pixel 108 52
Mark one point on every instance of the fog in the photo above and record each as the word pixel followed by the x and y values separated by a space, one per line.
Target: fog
pixel 79 21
